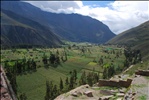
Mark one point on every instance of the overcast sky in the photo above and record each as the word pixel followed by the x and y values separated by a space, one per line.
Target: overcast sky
pixel 118 15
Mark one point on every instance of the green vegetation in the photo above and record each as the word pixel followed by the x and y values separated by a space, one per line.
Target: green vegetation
pixel 143 97
pixel 65 68
pixel 137 38
pixel 139 66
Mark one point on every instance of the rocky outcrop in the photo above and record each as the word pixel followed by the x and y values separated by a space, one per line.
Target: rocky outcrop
pixel 6 90
pixel 88 93
pixel 106 97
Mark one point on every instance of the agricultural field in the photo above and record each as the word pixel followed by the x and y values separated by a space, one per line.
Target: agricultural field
pixel 79 57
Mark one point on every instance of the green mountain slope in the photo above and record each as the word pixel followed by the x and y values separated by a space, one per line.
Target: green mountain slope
pixel 137 38
pixel 17 30
pixel 72 27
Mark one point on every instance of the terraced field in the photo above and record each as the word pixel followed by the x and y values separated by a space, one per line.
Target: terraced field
pixel 33 83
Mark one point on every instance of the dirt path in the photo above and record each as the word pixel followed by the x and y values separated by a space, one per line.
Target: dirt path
pixel 127 69
pixel 140 85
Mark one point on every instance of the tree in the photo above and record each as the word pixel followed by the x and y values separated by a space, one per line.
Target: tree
pixel 34 66
pixel 55 91
pixel 28 65
pixel 23 96
pixel 13 82
pixel 57 52
pixel 61 84
pixel 57 60
pixel 23 64
pixel 111 70
pixel 104 75
pixel 47 96
pixel 66 81
pixel 75 74
pixel 71 82
pixel 52 58
pixel 96 77
pixel 101 61
pixel 45 61
pixel 90 79
pixel 83 78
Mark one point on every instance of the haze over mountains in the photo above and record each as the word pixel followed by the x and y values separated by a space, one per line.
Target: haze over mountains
pixel 48 27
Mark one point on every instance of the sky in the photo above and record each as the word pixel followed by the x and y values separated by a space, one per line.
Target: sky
pixel 117 15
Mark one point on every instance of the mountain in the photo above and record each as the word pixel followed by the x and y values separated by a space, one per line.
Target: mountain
pixel 137 38
pixel 17 30
pixel 73 27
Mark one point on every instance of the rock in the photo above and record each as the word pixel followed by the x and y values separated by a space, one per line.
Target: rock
pixel 88 93
pixel 86 86
pixel 106 97
pixel 74 94
pixel 133 94
pixel 106 92
pixel 122 90
pixel 120 94
pixel 119 99
pixel 79 93
pixel 119 76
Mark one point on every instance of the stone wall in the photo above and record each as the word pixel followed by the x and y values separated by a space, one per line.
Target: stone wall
pixel 142 72
pixel 113 83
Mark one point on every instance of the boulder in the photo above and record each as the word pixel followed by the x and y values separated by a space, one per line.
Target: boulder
pixel 106 97
pixel 120 94
pixel 74 94
pixel 88 93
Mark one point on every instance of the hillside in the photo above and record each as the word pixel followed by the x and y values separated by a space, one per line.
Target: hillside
pixel 73 27
pixel 17 30
pixel 137 38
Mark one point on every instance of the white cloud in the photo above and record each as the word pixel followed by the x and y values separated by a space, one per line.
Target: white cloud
pixel 119 15
pixel 57 6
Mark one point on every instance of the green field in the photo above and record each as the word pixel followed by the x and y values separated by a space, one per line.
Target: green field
pixel 33 83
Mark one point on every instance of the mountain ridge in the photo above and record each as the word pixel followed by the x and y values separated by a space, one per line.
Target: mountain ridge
pixel 137 38
pixel 71 27
pixel 16 30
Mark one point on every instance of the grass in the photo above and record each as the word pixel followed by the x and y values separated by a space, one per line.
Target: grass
pixel 92 64
pixel 33 83
pixel 139 66
pixel 143 97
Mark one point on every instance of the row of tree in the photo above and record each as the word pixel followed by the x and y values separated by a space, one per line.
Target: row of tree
pixel 89 78
pixel 20 66
pixel 86 78
pixel 132 57
pixel 54 59
pixel 14 68
pixel 108 71
pixel 53 91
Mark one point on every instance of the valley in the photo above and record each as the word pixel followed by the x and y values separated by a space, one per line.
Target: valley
pixel 32 83
pixel 83 58
pixel 73 56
